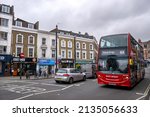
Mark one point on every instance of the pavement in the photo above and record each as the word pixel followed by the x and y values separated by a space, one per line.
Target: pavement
pixel 24 77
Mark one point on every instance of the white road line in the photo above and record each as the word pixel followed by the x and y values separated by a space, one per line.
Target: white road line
pixel 139 93
pixel 66 87
pixel 24 97
pixel 145 93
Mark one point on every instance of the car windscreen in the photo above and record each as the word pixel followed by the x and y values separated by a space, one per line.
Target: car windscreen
pixel 62 71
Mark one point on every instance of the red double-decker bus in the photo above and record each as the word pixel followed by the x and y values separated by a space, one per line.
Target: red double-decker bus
pixel 120 61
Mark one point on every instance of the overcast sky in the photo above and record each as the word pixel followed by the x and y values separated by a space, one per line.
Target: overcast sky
pixel 96 17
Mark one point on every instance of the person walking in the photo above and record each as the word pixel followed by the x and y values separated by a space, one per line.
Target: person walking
pixel 27 74
pixel 40 72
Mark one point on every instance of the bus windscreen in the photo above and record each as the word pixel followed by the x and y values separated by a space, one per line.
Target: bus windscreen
pixel 113 65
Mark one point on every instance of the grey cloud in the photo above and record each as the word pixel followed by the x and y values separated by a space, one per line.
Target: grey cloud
pixel 97 17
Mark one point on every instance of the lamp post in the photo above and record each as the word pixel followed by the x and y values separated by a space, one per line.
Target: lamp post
pixel 21 56
pixel 75 51
pixel 56 47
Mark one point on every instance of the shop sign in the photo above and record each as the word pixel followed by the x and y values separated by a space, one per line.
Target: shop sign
pixel 22 59
pixel 46 62
pixel 17 59
pixel 66 61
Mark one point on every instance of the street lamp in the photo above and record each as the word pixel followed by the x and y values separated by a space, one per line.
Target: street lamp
pixel 75 51
pixel 56 46
pixel 21 55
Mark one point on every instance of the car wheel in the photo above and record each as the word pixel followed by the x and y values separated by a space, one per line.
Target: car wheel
pixel 70 80
pixel 57 81
pixel 84 78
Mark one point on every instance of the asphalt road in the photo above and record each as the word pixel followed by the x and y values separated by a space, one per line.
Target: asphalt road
pixel 47 89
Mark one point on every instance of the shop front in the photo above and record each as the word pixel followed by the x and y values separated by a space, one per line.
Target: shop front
pixel 45 66
pixel 5 65
pixel 66 63
pixel 23 64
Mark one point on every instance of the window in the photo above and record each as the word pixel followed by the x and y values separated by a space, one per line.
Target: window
pixel 69 54
pixel 18 23
pixel 84 55
pixel 43 41
pixel 63 54
pixel 83 46
pixel 6 9
pixel 78 54
pixel 4 22
pixel 63 44
pixel 77 45
pixel 53 53
pixel 91 46
pixel 69 44
pixel 19 38
pixel 114 41
pixel 3 49
pixel 18 50
pixel 113 65
pixel 30 52
pixel 31 26
pixel 3 35
pixel 43 52
pixel 53 42
pixel 91 55
pixel 31 39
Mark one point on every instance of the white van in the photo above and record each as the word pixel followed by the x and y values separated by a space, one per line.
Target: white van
pixel 89 70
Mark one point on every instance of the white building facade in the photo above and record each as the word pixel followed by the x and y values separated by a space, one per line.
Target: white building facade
pixel 6 20
pixel 46 52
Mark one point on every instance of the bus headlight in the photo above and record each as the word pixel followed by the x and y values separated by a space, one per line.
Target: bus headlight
pixel 126 78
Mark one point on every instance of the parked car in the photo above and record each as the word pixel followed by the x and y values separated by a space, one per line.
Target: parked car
pixel 69 75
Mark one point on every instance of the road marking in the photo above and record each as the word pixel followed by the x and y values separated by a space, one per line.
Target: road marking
pixel 21 89
pixel 45 92
pixel 66 87
pixel 139 93
pixel 145 93
pixel 24 97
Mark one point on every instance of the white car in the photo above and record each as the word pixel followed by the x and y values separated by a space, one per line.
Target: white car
pixel 69 75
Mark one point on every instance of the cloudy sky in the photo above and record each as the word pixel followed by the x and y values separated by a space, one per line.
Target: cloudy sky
pixel 97 17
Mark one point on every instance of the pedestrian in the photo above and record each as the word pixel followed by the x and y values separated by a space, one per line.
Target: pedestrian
pixel 27 75
pixel 40 71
